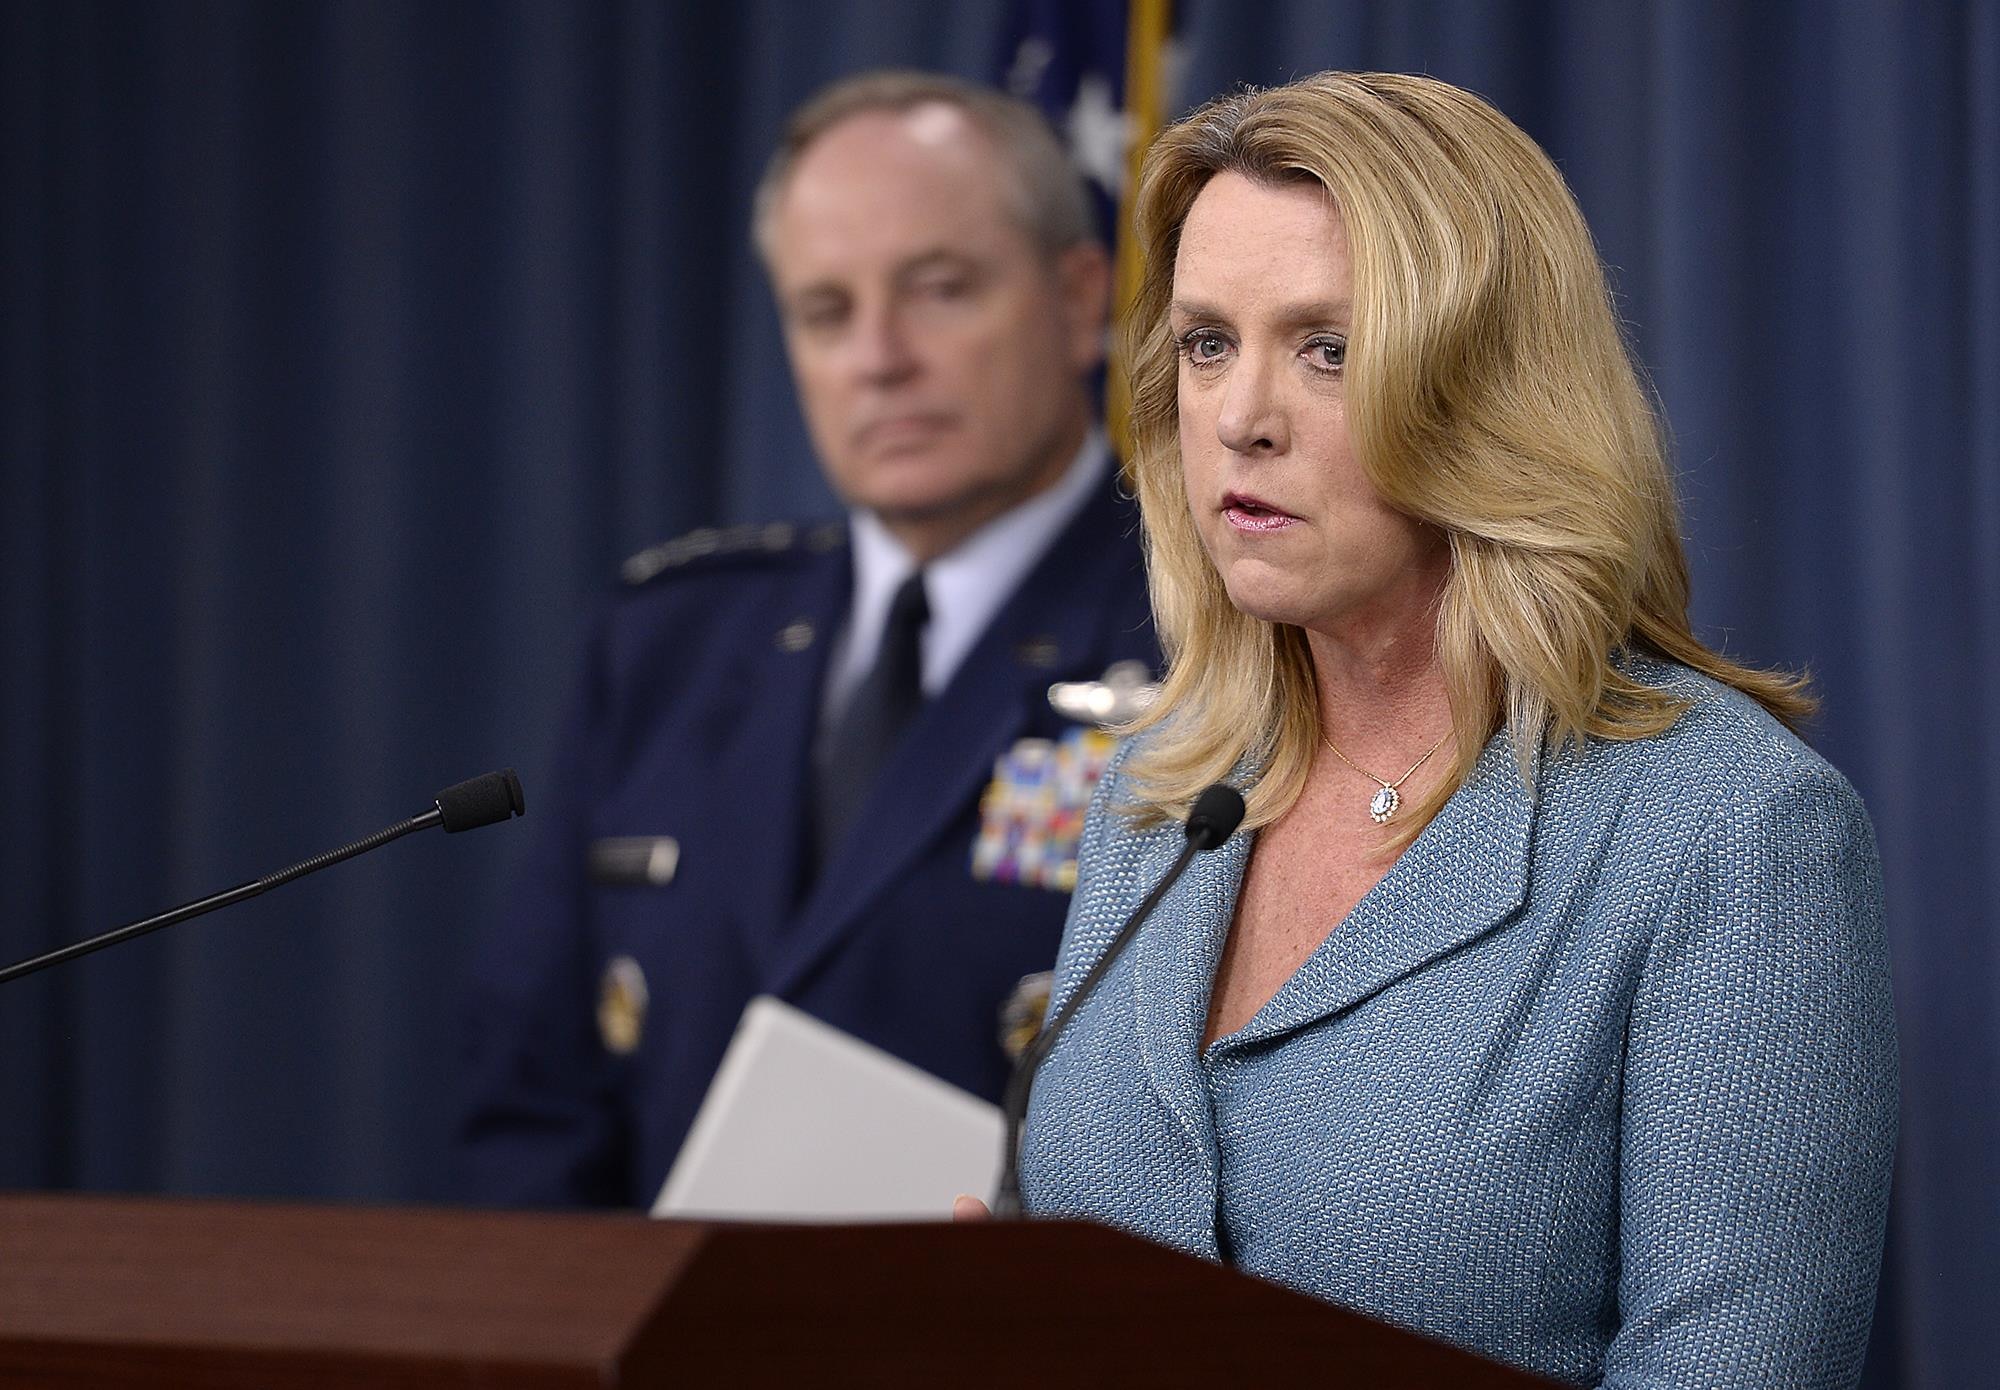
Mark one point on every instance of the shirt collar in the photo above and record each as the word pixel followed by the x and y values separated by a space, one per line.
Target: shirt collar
pixel 966 586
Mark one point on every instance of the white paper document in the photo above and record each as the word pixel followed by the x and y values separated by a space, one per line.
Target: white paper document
pixel 805 1122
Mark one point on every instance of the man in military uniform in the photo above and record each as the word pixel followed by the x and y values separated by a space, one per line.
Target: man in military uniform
pixel 780 774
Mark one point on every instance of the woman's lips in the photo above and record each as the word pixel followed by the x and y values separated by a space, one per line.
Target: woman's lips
pixel 1249 514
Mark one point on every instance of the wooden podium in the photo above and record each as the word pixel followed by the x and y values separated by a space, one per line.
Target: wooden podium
pixel 145 1292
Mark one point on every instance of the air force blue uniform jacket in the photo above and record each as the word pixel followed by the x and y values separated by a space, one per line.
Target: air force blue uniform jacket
pixel 668 882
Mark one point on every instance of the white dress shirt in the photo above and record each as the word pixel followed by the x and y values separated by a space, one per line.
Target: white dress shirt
pixel 965 587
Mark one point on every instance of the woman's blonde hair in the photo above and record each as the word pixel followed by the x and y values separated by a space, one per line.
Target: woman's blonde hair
pixel 1489 394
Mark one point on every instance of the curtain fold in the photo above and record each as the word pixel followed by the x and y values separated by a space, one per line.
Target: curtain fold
pixel 347 347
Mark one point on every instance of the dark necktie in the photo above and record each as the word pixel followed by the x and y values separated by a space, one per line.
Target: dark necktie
pixel 880 710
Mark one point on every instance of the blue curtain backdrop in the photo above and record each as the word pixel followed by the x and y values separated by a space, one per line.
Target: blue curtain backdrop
pixel 346 347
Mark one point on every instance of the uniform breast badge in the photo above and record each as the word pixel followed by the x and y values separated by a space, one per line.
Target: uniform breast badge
pixel 621 1006
pixel 1031 814
pixel 1021 1016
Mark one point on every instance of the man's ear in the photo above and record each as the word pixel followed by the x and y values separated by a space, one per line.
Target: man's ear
pixel 1083 272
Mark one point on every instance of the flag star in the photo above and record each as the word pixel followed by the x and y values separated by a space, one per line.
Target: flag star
pixel 1099 134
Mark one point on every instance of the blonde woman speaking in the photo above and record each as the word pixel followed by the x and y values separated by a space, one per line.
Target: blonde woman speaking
pixel 1543 1004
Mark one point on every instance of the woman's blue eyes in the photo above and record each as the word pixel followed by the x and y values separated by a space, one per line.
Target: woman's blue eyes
pixel 1329 354
pixel 1204 347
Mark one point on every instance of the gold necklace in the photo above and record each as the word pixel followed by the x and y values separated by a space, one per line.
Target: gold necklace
pixel 1383 804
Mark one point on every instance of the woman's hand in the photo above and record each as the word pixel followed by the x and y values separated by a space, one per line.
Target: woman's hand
pixel 968 1208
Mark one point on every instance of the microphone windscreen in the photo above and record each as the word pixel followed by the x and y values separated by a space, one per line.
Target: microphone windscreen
pixel 1215 815
pixel 482 801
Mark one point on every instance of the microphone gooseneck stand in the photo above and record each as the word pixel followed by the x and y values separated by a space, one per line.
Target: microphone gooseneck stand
pixel 1214 817
pixel 467 806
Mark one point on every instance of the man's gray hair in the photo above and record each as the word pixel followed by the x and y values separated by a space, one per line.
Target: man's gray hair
pixel 1048 194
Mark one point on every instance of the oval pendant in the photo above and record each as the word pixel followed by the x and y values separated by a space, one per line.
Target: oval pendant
pixel 1383 805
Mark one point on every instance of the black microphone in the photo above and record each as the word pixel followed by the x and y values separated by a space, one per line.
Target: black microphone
pixel 484 800
pixel 467 806
pixel 1213 818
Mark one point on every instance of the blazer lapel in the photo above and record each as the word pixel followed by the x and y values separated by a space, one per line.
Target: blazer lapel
pixel 1041 635
pixel 1175 955
pixel 1163 985
pixel 941 763
pixel 1464 875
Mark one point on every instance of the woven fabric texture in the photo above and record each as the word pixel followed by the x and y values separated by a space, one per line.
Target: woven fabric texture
pixel 1600 1079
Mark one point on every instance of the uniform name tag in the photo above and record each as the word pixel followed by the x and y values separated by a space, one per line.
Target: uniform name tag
pixel 635 861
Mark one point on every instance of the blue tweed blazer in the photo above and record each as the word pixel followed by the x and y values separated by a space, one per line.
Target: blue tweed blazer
pixel 1600 1079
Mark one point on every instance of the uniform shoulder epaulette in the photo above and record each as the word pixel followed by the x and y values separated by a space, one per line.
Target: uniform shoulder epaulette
pixel 710 544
